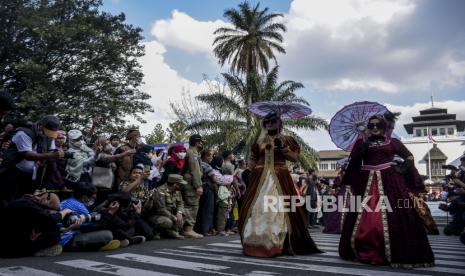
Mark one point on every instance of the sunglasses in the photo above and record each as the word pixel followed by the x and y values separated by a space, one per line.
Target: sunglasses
pixel 272 121
pixel 375 125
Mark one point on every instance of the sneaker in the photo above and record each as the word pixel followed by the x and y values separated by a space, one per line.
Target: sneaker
pixel 175 235
pixel 192 234
pixel 112 245
pixel 223 234
pixel 230 232
pixel 50 252
pixel 156 236
pixel 124 243
pixel 137 239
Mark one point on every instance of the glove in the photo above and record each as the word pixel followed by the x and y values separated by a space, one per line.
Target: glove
pixel 404 167
pixel 279 143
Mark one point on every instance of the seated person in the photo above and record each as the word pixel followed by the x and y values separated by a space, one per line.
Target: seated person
pixel 32 228
pixel 164 211
pixel 81 232
pixel 121 216
pixel 136 185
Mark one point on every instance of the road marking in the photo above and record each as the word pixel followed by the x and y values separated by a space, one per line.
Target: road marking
pixel 280 264
pixel 169 262
pixel 223 244
pixel 24 271
pixel 110 268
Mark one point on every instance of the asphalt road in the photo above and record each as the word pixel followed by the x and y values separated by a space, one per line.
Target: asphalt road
pixel 223 256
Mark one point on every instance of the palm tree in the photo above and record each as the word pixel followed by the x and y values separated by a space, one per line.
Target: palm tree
pixel 233 130
pixel 250 44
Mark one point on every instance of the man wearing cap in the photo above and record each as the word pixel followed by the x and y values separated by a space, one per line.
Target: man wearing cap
pixel 125 165
pixel 165 210
pixel 34 145
pixel 193 190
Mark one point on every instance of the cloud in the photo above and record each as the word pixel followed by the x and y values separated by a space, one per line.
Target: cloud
pixel 186 33
pixel 384 45
pixel 164 84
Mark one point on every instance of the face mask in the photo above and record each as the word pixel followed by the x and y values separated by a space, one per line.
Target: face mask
pixel 139 140
pixel 150 155
pixel 181 155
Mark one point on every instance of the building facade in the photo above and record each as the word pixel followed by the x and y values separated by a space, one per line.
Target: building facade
pixel 449 146
pixel 327 165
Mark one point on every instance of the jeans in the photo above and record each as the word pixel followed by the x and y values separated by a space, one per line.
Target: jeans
pixel 91 241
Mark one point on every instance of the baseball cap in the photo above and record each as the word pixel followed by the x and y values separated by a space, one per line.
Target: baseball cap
pixel 50 125
pixel 194 138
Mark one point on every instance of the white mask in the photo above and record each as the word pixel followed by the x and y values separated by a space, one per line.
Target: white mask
pixel 150 155
pixel 77 144
pixel 181 155
pixel 139 140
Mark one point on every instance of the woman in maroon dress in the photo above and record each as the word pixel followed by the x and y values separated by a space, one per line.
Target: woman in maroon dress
pixel 393 237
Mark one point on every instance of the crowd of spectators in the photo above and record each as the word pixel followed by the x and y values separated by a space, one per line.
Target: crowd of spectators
pixel 65 191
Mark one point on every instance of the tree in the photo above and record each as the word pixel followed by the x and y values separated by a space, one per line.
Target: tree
pixel 229 128
pixel 66 58
pixel 157 136
pixel 177 132
pixel 250 44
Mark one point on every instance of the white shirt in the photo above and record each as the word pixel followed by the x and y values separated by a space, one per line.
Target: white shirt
pixel 24 144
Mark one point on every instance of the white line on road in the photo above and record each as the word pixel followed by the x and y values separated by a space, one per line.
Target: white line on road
pixel 285 265
pixel 24 271
pixel 110 268
pixel 196 266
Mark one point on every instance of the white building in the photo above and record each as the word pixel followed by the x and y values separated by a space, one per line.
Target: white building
pixel 446 130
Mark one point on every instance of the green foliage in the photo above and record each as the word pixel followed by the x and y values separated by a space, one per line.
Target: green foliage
pixel 177 132
pixel 65 57
pixel 251 43
pixel 157 136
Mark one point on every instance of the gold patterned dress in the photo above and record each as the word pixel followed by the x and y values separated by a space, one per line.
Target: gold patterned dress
pixel 264 231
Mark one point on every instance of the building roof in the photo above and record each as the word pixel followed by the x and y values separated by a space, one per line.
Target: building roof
pixel 332 154
pixel 434 117
pixel 436 154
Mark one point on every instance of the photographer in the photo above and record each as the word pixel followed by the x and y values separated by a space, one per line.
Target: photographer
pixel 456 201
pixel 23 161
pixel 32 226
pixel 121 215
pixel 81 232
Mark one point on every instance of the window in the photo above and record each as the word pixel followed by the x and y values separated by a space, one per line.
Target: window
pixel 333 166
pixel 434 131
pixel 442 131
pixel 417 132
pixel 323 167
pixel 425 132
pixel 450 131
pixel 436 168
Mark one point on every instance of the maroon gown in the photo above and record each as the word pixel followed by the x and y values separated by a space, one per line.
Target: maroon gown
pixel 395 238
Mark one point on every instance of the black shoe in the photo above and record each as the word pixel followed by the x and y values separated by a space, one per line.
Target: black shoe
pixel 137 239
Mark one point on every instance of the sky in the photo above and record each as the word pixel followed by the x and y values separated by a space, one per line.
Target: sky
pixel 395 52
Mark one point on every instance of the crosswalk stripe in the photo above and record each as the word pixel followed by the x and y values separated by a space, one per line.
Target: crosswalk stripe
pixel 445 254
pixel 434 246
pixel 280 264
pixel 169 262
pixel 110 268
pixel 24 271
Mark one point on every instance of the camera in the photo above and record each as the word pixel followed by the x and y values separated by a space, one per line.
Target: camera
pixel 69 155
pixel 72 218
